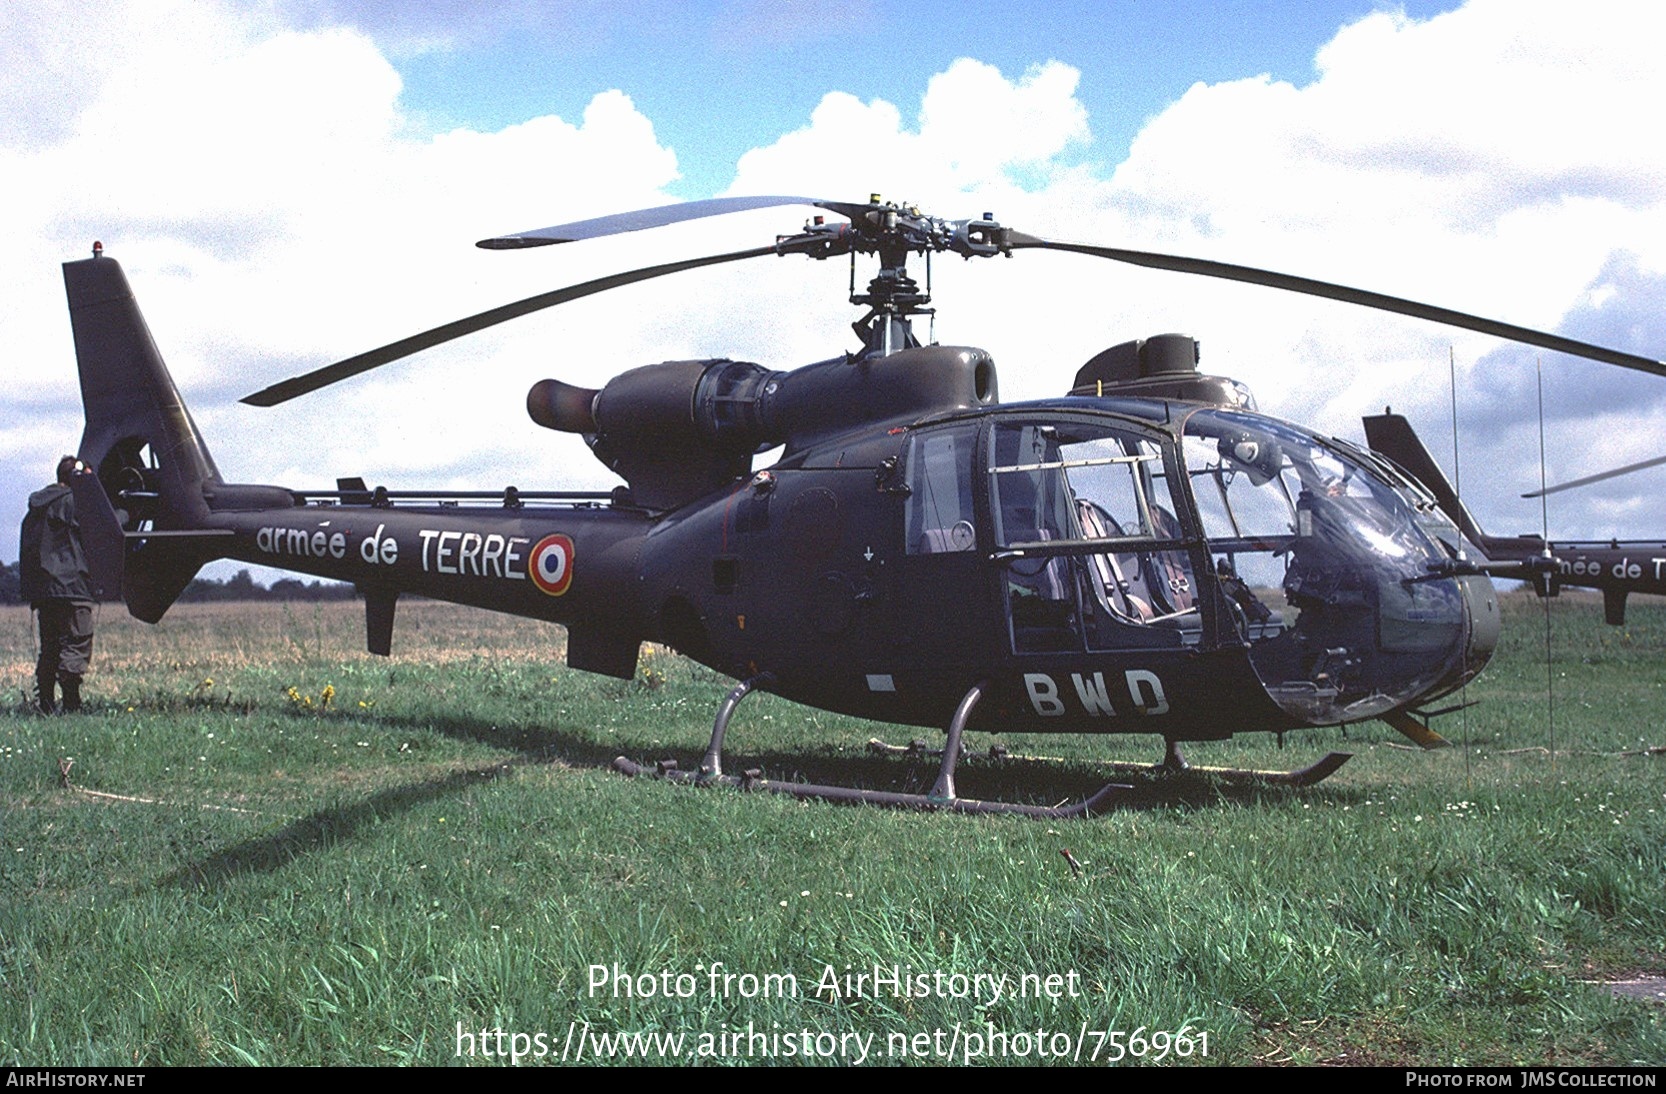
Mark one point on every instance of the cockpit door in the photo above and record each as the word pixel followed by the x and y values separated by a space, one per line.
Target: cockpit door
pixel 1085 523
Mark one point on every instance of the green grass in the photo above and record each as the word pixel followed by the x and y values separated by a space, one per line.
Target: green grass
pixel 275 880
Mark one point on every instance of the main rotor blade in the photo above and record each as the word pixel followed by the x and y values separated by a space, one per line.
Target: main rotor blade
pixel 285 390
pixel 638 219
pixel 1364 297
pixel 1589 479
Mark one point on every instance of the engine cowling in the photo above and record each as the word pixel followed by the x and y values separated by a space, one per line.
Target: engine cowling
pixel 678 430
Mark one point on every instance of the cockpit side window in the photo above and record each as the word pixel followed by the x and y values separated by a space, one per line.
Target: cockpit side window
pixel 1031 502
pixel 939 508
pixel 1079 483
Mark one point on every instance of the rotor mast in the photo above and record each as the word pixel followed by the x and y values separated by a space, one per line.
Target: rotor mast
pixel 893 232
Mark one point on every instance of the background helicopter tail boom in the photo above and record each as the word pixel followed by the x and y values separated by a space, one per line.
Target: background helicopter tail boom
pixel 1616 567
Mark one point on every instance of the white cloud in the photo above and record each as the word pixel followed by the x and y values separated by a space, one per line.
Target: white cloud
pixel 1493 159
pixel 276 209
pixel 976 130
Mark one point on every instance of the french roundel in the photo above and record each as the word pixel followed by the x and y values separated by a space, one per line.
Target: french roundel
pixel 551 564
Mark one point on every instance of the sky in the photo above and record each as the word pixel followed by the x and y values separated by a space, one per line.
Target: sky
pixel 291 182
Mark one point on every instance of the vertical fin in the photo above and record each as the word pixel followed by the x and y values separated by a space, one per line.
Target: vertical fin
pixel 378 620
pixel 139 439
pixel 128 393
pixel 1614 606
pixel 1392 436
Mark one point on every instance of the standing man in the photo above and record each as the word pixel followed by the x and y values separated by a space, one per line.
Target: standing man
pixel 57 585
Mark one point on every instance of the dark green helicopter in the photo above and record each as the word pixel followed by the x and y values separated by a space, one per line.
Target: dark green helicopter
pixel 1147 554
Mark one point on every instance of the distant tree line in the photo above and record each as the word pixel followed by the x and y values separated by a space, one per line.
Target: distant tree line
pixel 240 586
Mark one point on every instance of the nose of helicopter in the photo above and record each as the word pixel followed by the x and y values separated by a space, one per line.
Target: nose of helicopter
pixel 1484 628
pixel 1359 652
pixel 1346 589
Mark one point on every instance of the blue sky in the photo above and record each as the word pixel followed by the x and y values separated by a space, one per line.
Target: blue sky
pixel 719 79
pixel 294 181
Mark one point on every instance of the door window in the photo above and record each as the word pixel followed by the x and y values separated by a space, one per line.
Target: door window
pixel 1085 520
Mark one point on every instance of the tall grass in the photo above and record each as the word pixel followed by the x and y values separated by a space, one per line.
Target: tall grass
pixel 262 874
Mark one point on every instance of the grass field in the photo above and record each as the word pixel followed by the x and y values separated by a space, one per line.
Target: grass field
pixel 278 849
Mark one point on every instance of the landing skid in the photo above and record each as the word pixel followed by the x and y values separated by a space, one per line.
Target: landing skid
pixel 1313 773
pixel 1101 802
pixel 942 797
pixel 1172 766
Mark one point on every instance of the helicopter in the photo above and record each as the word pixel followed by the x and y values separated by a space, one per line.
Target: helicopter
pixel 1617 568
pixel 1146 554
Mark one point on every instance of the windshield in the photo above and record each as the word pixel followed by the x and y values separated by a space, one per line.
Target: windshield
pixel 1324 566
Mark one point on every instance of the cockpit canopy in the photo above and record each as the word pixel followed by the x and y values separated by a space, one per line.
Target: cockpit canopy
pixel 1110 533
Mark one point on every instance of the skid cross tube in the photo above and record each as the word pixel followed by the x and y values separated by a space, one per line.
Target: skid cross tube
pixel 711 765
pixel 943 788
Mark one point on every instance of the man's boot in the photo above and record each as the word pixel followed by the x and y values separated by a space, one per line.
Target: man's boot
pixel 72 694
pixel 48 694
